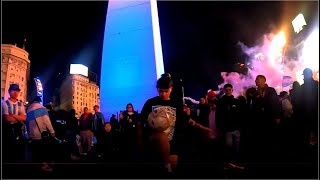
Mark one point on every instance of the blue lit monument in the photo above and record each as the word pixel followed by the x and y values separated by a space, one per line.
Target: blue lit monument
pixel 132 55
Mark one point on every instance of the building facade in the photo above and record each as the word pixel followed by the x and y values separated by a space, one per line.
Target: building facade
pixel 15 68
pixel 77 92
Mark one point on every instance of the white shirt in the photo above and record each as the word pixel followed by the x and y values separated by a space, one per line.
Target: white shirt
pixel 14 106
pixel 43 121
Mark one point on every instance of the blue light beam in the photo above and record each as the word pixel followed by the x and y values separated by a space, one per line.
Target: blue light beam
pixel 132 55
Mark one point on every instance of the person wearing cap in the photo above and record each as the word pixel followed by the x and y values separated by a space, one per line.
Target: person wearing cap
pixel 308 108
pixel 13 115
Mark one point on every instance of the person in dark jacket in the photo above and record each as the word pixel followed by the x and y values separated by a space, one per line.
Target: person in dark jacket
pixel 128 120
pixel 72 130
pixel 228 123
pixel 98 122
pixel 86 134
pixel 294 94
pixel 309 104
pixel 268 114
pixel 114 122
pixel 307 115
pixel 164 125
pixel 204 110
pixel 109 143
pixel 251 131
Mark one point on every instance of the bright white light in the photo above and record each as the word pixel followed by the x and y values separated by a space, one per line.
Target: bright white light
pixel 276 48
pixel 310 51
pixel 299 76
pixel 298 23
pixel 79 69
pixel 279 41
pixel 156 38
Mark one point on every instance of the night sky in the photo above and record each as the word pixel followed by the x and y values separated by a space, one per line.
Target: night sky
pixel 199 39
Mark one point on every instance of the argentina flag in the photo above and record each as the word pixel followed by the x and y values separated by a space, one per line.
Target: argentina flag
pixel 37 112
pixel 287 81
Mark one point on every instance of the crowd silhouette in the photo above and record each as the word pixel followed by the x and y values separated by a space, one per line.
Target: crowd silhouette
pixel 258 135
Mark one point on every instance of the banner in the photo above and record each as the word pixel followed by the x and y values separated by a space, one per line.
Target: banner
pixel 287 81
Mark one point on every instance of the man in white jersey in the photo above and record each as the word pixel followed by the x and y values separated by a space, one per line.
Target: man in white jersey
pixel 13 116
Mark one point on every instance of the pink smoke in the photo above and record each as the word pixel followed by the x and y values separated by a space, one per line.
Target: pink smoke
pixel 264 61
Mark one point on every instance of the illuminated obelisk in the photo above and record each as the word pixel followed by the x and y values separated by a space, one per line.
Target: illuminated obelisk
pixel 132 55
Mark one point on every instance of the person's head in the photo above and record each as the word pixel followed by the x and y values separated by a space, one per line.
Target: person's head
pixel 228 89
pixel 251 92
pixel 73 112
pixel 261 81
pixel 242 99
pixel 307 74
pixel 14 91
pixel 37 99
pixel 129 107
pixel 295 85
pixel 202 101
pixel 284 94
pixel 85 110
pixel 107 127
pixel 96 108
pixel 211 95
pixel 164 86
pixel 113 116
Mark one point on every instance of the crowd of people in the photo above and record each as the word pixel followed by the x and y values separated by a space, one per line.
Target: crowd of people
pixel 221 132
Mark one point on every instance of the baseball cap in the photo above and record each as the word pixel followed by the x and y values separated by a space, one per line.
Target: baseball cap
pixel 307 71
pixel 14 87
